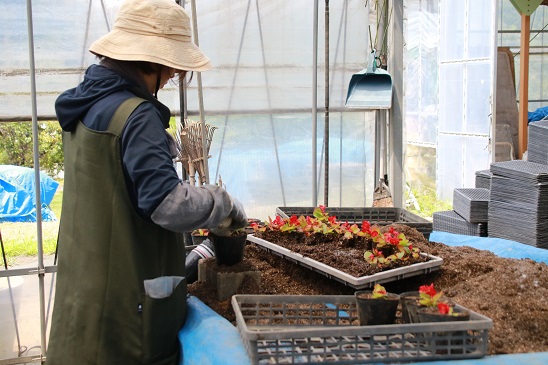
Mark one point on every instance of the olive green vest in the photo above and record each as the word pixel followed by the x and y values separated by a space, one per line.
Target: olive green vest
pixel 101 314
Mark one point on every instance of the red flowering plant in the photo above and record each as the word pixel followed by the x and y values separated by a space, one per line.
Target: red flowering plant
pixel 388 247
pixel 429 297
pixel 200 232
pixel 320 222
pixel 379 292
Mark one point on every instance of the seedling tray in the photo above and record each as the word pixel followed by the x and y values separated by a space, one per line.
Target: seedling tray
pixel 361 282
pixel 287 329
pixel 375 215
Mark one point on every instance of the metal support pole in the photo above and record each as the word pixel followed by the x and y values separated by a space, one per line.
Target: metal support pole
pixel 200 96
pixel 326 112
pixel 315 106
pixel 20 349
pixel 395 127
pixel 41 270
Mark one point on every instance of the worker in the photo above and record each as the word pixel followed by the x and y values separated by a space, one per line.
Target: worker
pixel 121 290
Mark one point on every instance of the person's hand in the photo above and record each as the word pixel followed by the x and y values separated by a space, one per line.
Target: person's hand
pixel 238 216
pixel 236 219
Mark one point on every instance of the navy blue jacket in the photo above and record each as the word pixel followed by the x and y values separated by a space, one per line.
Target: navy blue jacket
pixel 147 158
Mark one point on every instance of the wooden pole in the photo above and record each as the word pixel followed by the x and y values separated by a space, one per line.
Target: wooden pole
pixel 523 84
pixel 191 172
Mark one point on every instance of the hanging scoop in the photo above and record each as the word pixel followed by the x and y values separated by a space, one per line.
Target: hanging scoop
pixel 370 88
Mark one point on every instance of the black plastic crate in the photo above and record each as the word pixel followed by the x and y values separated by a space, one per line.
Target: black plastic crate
pixel 451 222
pixel 375 215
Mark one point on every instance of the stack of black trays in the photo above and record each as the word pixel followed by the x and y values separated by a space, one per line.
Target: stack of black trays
pixel 450 221
pixel 483 179
pixel 518 207
pixel 471 204
pixel 537 143
pixel 469 215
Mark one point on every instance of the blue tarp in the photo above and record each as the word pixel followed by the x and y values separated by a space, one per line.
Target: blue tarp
pixel 537 115
pixel 18 194
pixel 208 339
pixel 499 246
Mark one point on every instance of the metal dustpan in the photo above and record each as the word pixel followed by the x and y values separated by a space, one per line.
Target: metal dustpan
pixel 370 88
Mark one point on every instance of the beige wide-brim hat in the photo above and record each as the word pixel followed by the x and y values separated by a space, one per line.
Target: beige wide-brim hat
pixel 156 31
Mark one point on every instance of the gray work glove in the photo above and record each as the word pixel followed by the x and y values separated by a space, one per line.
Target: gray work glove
pixel 235 220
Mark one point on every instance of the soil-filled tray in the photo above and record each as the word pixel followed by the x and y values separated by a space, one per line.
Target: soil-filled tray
pixel 288 329
pixel 375 215
pixel 362 282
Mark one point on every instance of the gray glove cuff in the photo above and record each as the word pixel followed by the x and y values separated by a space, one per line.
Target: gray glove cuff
pixel 188 207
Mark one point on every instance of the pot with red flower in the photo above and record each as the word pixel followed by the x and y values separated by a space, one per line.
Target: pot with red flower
pixel 413 300
pixel 376 307
pixel 433 309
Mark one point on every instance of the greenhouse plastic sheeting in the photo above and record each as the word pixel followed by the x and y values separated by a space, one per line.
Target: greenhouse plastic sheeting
pixel 258 94
pixel 18 194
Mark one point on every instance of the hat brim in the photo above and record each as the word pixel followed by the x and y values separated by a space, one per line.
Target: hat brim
pixel 122 45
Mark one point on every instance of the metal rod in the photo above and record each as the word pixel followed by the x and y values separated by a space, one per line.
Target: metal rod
pixel 11 297
pixel 221 112
pixel 183 111
pixel 232 87
pixel 326 106
pixel 86 33
pixel 314 105
pixel 37 179
pixel 200 96
pixel 105 15
pixel 269 104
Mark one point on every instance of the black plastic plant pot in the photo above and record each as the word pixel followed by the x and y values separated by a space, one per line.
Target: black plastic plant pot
pixel 229 250
pixel 409 305
pixel 196 239
pixel 445 342
pixel 373 312
pixel 187 238
pixel 427 315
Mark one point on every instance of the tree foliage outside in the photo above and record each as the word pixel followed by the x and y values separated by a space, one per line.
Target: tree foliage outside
pixel 16 145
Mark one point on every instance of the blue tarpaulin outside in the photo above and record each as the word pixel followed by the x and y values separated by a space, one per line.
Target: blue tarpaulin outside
pixel 537 115
pixel 18 194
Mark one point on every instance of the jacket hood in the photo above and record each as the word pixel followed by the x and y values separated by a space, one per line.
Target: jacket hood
pixel 99 82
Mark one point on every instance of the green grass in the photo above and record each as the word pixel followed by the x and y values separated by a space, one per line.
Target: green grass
pixel 21 239
pixel 428 202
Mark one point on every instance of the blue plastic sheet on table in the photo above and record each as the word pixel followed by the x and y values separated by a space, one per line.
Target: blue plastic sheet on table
pixel 18 194
pixel 531 358
pixel 499 246
pixel 209 339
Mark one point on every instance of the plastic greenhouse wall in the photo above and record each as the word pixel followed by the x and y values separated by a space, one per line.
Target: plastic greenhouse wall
pixel 259 93
pixel 449 81
pixel 450 53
